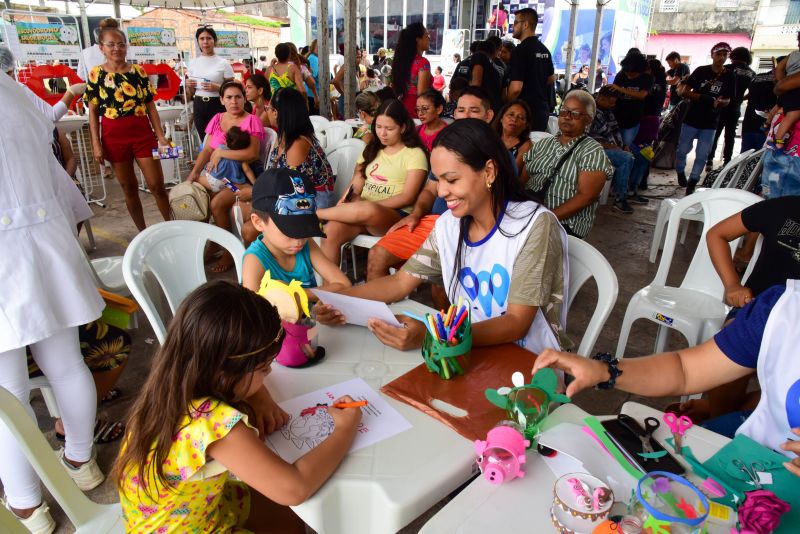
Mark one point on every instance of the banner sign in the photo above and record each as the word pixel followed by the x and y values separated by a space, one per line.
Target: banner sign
pixel 43 41
pixel 232 44
pixel 151 43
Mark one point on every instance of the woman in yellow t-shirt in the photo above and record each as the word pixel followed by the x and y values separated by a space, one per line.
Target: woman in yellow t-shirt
pixel 385 185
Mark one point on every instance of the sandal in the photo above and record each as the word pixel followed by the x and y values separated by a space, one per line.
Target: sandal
pixel 112 395
pixel 104 431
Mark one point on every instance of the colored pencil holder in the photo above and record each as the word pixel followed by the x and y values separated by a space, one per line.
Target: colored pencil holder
pixel 447 359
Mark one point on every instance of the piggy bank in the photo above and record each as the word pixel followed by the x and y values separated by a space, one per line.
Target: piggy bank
pixel 501 456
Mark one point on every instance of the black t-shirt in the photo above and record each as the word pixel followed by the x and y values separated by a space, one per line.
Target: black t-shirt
pixel 778 220
pixel 463 69
pixel 629 110
pixel 743 76
pixel 681 71
pixel 500 67
pixel 491 79
pixel 701 113
pixel 654 101
pixel 532 64
pixel 760 97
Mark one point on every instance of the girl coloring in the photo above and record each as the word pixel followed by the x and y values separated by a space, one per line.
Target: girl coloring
pixel 203 413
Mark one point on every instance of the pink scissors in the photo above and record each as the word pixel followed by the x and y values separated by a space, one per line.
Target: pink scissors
pixel 678 426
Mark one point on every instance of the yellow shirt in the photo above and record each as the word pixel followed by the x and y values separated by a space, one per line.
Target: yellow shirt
pixel 386 174
pixel 208 504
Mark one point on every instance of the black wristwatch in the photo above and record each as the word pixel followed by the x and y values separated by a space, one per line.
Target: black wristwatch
pixel 613 371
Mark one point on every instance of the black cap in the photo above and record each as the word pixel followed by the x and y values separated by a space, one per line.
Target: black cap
pixel 289 198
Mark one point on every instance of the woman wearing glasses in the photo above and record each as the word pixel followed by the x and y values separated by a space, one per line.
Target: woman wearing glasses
pixel 570 169
pixel 207 72
pixel 120 95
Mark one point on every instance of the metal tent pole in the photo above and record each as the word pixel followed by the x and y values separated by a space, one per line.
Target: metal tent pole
pixel 573 21
pixel 598 21
pixel 323 49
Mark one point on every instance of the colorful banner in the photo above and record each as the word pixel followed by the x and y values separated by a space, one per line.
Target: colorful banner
pixel 232 44
pixel 151 43
pixel 45 41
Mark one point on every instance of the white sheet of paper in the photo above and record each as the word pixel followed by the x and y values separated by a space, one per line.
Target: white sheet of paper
pixel 358 311
pixel 379 420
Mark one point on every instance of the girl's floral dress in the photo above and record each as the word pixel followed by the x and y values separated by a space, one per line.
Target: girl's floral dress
pixel 194 504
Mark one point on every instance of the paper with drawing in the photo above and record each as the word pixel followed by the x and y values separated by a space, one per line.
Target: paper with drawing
pixel 304 432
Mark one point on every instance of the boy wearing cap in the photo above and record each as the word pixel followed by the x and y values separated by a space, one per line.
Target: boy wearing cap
pixel 708 89
pixel 285 212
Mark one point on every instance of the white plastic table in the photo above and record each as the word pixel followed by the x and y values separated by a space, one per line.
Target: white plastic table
pixel 383 487
pixel 523 504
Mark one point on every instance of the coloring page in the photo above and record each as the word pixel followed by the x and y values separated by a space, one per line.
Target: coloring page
pixel 309 423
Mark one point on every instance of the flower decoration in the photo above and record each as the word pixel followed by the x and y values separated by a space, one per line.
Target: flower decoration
pixel 761 512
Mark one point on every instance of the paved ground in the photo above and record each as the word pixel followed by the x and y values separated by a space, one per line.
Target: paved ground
pixel 623 239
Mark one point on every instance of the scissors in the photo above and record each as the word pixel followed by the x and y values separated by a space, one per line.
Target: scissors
pixel 650 426
pixel 751 470
pixel 678 426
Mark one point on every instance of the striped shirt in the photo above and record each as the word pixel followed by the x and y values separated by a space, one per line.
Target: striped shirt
pixel 589 156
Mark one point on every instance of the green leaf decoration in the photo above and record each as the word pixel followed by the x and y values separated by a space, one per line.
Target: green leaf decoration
pixel 546 380
pixel 501 401
pixel 656 526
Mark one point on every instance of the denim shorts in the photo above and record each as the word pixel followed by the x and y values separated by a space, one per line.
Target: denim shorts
pixel 781 174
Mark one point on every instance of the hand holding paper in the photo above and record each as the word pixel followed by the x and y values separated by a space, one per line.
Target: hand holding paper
pixel 354 310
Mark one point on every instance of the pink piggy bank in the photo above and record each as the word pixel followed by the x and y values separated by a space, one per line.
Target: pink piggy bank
pixel 501 456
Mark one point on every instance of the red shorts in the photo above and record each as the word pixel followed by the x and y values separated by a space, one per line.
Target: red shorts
pixel 404 244
pixel 127 138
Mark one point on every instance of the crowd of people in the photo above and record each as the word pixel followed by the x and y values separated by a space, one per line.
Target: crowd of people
pixel 465 190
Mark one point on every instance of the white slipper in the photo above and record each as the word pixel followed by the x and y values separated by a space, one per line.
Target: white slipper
pixel 88 476
pixel 39 522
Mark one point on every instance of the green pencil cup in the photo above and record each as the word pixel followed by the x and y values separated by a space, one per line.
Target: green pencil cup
pixel 442 357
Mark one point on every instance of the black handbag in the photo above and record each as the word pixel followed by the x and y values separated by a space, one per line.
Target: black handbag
pixel 540 194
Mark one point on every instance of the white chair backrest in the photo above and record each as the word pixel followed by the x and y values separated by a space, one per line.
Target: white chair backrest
pixel 717 204
pixel 730 168
pixel 80 510
pixel 335 133
pixel 173 252
pixel 319 122
pixel 587 262
pixel 343 161
pixel 269 141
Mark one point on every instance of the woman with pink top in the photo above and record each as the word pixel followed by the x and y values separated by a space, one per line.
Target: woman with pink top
pixel 411 73
pixel 232 95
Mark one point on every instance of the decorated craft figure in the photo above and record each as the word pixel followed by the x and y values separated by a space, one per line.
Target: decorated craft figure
pixel 167 36
pixel 502 454
pixel 528 404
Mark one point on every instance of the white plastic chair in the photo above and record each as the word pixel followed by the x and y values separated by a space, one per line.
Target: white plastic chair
pixel 320 123
pixel 173 252
pixel 695 308
pixel 336 132
pixel 694 214
pixel 587 262
pixel 343 161
pixel 269 141
pixel 86 515
pixel 10 524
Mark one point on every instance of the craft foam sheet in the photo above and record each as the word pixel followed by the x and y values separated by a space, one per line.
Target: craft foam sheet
pixel 302 433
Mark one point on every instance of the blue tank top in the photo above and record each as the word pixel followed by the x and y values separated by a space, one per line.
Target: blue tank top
pixel 303 270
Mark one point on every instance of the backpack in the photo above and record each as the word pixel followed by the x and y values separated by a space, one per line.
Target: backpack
pixel 189 201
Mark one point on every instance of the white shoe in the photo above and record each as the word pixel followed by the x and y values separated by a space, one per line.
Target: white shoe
pixel 39 522
pixel 88 476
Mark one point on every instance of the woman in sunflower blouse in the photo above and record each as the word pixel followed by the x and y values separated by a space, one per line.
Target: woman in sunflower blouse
pixel 120 98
